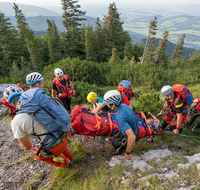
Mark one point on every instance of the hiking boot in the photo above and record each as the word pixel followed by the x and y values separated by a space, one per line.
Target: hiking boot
pixel 193 129
pixel 69 164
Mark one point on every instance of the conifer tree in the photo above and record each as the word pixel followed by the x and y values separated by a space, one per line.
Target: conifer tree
pixel 72 45
pixel 149 47
pixel 177 54
pixel 10 47
pixel 88 36
pixel 27 37
pixel 53 41
pixel 99 41
pixel 195 56
pixel 160 55
pixel 114 34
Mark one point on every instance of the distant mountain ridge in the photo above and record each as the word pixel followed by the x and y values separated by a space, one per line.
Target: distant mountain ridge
pixel 28 10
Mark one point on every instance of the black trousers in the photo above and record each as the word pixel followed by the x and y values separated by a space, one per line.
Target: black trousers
pixel 67 103
pixel 120 142
pixel 192 119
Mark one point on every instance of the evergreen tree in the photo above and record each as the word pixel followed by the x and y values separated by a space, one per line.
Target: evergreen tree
pixel 150 42
pixel 195 57
pixel 21 19
pixel 72 45
pixel 10 47
pixel 27 37
pixel 160 55
pixel 114 34
pixel 177 54
pixel 53 41
pixel 98 42
pixel 88 36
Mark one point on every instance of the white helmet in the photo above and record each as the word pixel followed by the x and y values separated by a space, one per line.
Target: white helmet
pixel 58 72
pixel 11 92
pixel 166 90
pixel 34 77
pixel 112 97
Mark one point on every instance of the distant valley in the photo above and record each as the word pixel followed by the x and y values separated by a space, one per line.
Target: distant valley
pixel 135 19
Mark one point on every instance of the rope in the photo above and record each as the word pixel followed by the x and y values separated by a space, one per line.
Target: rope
pixel 189 136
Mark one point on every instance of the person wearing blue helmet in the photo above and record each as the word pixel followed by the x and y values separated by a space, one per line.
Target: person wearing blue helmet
pixel 126 120
pixel 35 79
pixel 177 106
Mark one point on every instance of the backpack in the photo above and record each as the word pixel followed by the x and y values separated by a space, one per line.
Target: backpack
pixel 49 112
pixel 182 91
pixel 125 87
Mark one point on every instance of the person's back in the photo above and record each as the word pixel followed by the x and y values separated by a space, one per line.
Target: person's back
pixel 124 116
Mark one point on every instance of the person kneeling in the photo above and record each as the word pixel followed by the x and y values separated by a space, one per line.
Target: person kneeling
pixel 126 120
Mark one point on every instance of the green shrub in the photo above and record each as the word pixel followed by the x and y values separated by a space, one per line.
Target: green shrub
pixel 149 102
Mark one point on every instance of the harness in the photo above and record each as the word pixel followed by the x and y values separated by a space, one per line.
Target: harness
pixel 172 105
pixel 64 91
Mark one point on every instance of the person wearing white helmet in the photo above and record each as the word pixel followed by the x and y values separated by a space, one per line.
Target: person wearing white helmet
pixel 35 79
pixel 63 87
pixel 126 120
pixel 177 106
pixel 23 124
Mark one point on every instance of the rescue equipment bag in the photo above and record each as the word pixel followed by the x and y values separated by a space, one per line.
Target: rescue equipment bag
pixel 49 112
pixel 125 87
pixel 182 91
pixel 90 124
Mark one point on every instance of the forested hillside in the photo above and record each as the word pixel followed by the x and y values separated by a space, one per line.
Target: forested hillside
pixel 90 52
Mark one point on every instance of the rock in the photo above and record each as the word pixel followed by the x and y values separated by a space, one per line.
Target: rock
pixel 126 181
pixel 193 159
pixel 127 173
pixel 186 188
pixel 156 154
pixel 140 164
pixel 198 166
pixel 163 169
pixel 136 163
pixel 115 160
pixel 183 166
pixel 172 174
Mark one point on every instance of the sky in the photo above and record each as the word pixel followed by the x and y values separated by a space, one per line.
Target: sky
pixel 46 3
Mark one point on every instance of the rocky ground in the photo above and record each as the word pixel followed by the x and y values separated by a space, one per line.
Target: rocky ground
pixel 19 169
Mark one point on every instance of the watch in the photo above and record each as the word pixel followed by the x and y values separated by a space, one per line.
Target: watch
pixel 128 152
pixel 178 128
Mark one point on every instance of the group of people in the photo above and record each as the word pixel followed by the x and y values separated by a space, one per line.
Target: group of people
pixel 115 101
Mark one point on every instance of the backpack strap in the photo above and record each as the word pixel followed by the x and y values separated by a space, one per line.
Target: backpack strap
pixel 145 118
pixel 111 124
pixel 98 125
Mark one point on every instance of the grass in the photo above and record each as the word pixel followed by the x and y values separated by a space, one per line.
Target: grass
pixel 6 166
pixel 35 182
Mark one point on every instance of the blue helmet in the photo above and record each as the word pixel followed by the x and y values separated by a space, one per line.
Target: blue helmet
pixel 34 77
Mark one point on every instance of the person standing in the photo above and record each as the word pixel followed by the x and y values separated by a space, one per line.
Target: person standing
pixel 63 87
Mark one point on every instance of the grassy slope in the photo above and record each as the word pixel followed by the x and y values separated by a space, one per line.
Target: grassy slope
pixel 99 175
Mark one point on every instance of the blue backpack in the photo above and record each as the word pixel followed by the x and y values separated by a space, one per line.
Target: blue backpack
pixel 49 112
